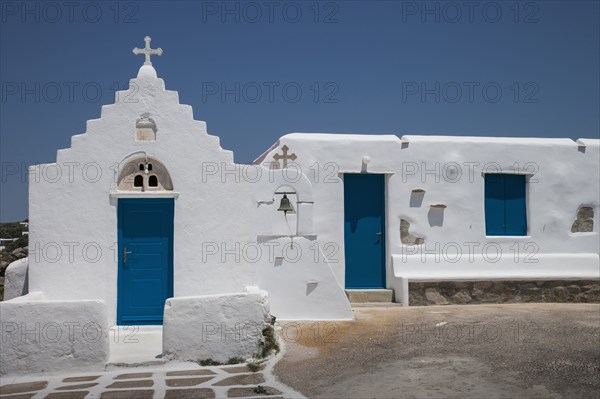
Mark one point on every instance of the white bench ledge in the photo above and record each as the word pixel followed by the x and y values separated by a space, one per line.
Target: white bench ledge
pixel 558 266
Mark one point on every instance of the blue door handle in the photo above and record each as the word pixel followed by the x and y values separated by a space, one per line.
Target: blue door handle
pixel 378 237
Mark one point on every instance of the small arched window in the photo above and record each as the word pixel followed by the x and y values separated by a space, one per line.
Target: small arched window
pixel 144 174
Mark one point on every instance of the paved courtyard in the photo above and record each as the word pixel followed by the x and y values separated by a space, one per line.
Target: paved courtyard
pixel 471 351
pixel 170 381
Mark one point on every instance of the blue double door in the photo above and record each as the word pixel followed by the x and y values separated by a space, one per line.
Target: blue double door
pixel 364 230
pixel 145 278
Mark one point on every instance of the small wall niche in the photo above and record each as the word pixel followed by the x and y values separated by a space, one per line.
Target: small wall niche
pixel 436 215
pixel 416 197
pixel 584 220
pixel 145 128
pixel 406 237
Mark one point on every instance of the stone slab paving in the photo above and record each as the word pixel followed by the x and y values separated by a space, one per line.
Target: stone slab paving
pixel 176 380
pixel 76 386
pixel 186 382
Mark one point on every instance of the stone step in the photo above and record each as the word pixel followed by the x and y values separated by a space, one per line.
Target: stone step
pixel 375 305
pixel 370 296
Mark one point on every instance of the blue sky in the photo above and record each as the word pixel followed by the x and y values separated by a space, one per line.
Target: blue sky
pixel 258 70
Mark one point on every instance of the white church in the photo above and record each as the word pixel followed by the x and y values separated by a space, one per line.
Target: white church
pixel 154 224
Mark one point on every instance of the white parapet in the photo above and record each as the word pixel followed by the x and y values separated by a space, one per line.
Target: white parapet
pixel 50 336
pixel 217 327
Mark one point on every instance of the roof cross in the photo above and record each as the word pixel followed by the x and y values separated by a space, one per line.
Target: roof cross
pixel 147 51
pixel 285 156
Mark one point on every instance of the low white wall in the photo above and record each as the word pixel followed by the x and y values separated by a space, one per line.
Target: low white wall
pixel 49 336
pixel 15 279
pixel 217 327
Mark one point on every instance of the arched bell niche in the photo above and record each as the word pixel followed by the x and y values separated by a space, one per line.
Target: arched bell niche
pixel 271 220
pixel 144 174
pixel 284 223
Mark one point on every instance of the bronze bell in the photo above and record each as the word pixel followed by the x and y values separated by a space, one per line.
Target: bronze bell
pixel 285 205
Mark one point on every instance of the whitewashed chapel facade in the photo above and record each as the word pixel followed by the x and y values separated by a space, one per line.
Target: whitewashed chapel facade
pixel 146 206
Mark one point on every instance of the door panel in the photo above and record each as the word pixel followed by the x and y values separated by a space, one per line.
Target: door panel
pixel 364 230
pixel 145 259
pixel 494 205
pixel 515 205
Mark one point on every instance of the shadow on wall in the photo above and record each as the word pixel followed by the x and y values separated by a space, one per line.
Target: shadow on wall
pixel 311 286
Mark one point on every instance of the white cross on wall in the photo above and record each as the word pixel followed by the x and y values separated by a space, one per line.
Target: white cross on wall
pixel 147 51
pixel 285 156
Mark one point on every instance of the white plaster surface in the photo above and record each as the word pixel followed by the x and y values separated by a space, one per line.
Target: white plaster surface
pixel 135 345
pixel 451 170
pixel 15 279
pixel 300 282
pixel 218 204
pixel 217 327
pixel 294 267
pixel 46 336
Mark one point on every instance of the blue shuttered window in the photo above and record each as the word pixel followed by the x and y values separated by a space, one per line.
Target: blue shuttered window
pixel 505 205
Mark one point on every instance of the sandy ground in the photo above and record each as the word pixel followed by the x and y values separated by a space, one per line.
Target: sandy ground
pixel 474 351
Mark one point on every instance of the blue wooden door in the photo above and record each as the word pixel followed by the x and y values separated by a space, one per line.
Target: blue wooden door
pixel 505 205
pixel 364 230
pixel 145 255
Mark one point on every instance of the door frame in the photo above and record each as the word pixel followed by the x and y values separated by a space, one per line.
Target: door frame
pixel 384 262
pixel 120 282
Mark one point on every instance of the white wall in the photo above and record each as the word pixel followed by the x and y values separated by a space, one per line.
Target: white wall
pixel 41 336
pixel 294 266
pixel 217 327
pixel 564 176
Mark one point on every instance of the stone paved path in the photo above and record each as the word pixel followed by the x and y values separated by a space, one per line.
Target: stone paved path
pixel 169 381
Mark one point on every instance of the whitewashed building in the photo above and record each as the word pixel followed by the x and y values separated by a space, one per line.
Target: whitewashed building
pixel 146 220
